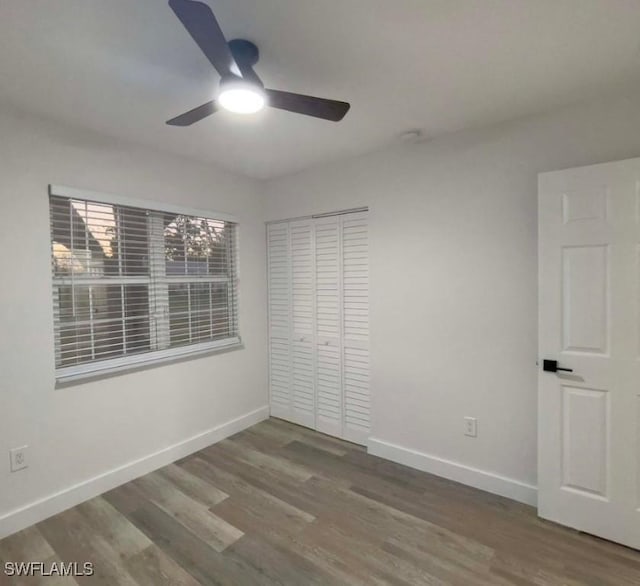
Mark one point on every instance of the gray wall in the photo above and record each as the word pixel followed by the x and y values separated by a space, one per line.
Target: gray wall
pixel 79 433
pixel 453 240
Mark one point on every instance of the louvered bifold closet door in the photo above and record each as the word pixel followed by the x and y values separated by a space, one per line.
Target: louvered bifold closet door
pixel 355 305
pixel 319 324
pixel 329 400
pixel 280 372
pixel 302 322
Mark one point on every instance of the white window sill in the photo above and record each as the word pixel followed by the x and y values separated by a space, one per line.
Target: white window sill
pixel 76 375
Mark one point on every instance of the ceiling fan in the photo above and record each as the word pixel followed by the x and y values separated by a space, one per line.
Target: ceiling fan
pixel 241 90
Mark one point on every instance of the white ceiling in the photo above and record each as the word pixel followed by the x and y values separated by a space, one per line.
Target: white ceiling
pixel 125 66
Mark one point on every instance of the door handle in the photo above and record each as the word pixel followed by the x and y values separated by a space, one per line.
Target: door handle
pixel 552 366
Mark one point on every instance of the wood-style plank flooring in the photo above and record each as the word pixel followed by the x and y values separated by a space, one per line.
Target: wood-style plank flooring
pixel 280 504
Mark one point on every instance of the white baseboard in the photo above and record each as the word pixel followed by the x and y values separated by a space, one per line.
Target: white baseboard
pixel 488 481
pixel 69 497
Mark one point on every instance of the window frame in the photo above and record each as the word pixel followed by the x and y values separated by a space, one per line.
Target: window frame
pixel 156 355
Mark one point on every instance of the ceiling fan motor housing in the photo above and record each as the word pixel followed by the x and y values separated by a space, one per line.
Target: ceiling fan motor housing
pixel 244 51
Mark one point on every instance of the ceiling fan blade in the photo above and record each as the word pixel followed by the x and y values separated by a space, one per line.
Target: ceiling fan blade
pixel 192 116
pixel 310 106
pixel 203 27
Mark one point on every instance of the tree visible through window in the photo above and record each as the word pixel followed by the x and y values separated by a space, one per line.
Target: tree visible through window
pixel 128 280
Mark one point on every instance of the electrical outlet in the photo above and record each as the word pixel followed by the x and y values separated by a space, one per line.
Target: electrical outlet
pixel 471 426
pixel 18 457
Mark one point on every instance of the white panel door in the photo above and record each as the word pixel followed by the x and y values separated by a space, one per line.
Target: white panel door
pixel 279 275
pixel 302 322
pixel 588 437
pixel 355 342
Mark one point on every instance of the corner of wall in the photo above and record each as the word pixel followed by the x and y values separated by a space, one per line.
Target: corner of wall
pixel 481 479
pixel 56 503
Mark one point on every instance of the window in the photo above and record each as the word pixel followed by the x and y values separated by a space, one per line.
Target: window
pixel 133 285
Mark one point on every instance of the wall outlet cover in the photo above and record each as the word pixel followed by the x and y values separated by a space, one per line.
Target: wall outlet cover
pixel 18 458
pixel 471 426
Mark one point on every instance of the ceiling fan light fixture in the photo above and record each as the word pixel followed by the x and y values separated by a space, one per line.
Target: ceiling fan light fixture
pixel 241 90
pixel 241 97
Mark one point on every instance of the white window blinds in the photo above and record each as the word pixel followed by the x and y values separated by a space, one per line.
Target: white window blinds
pixel 134 285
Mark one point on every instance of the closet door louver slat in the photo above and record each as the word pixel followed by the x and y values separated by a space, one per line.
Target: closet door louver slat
pixel 328 327
pixel 303 322
pixel 279 268
pixel 355 276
